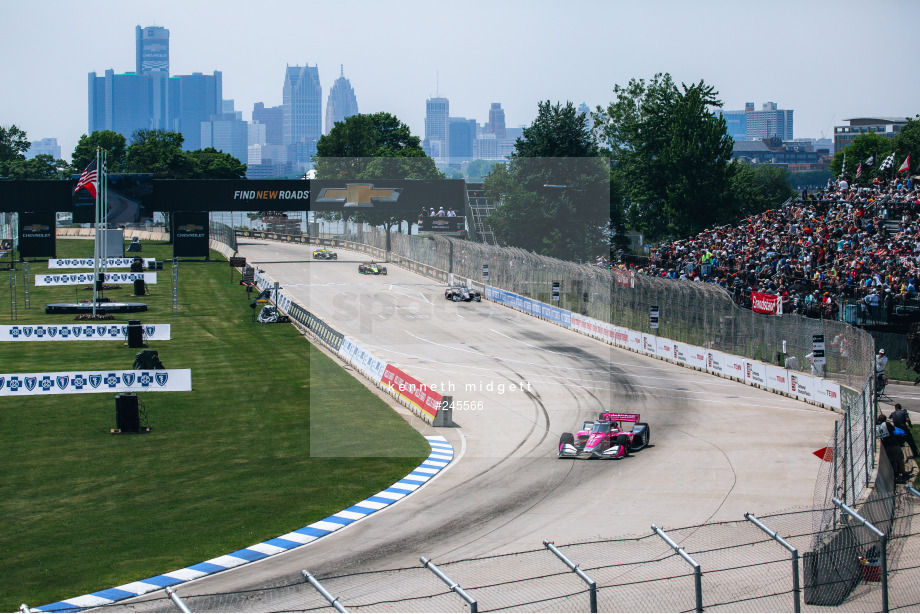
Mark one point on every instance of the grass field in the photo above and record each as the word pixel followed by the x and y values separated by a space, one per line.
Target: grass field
pixel 224 466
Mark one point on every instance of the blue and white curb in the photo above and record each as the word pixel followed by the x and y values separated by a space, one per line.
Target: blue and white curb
pixel 442 453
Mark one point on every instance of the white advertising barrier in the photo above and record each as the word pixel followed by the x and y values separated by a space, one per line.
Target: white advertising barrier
pixel 72 279
pixel 755 373
pixel 594 328
pixel 361 359
pixel 715 363
pixel 777 379
pixel 803 386
pixel 80 332
pixel 89 263
pixel 695 357
pixel 634 342
pixel 733 366
pixel 828 393
pixel 648 345
pixel 82 382
pixel 664 348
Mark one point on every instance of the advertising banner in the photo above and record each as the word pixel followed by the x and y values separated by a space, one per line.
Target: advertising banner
pixel 37 234
pixel 82 382
pixel 766 303
pixel 777 379
pixel 696 357
pixel 733 366
pixel 413 391
pixel 74 279
pixel 715 363
pixel 648 344
pixel 441 224
pixel 80 332
pixel 362 360
pixel 802 386
pixel 387 195
pixel 827 393
pixel 664 348
pixel 88 263
pixel 635 341
pixel 755 372
pixel 190 234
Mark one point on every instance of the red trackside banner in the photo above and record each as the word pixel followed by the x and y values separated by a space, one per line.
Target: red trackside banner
pixel 412 390
pixel 767 303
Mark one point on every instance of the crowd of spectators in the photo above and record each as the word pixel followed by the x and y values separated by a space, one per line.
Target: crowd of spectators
pixel 844 244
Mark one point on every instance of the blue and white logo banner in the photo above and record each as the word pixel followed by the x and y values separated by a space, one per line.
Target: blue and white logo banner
pixel 80 332
pixel 89 263
pixel 82 382
pixel 75 279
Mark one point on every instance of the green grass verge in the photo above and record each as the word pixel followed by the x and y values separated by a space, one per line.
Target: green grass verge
pixel 225 466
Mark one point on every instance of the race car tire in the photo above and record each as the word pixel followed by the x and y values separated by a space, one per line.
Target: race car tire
pixel 456 298
pixel 383 271
pixel 335 256
pixel 478 299
pixel 566 438
pixel 623 440
pixel 644 437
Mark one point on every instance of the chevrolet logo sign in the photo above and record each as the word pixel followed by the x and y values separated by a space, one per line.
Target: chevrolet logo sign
pixel 358 195
pixel 36 228
pixel 190 228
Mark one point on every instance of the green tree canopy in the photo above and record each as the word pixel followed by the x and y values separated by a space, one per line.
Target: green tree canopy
pixel 376 146
pixel 209 163
pixel 113 143
pixel 13 143
pixel 158 152
pixel 758 188
pixel 41 166
pixel 670 153
pixel 553 196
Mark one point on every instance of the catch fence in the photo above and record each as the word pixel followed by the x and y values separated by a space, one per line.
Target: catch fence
pixel 743 570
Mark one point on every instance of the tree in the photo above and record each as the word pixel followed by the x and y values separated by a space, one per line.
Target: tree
pixel 113 143
pixel 158 152
pixel 863 148
pixel 41 166
pixel 376 146
pixel 908 142
pixel 670 153
pixel 758 188
pixel 553 196
pixel 13 143
pixel 479 169
pixel 209 163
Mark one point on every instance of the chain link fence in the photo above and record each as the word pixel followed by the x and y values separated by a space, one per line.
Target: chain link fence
pixel 743 570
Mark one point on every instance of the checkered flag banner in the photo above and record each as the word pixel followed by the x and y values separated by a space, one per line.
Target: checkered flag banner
pixel 887 163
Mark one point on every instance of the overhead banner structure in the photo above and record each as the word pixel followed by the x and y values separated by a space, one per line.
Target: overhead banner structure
pixel 129 200
pixel 37 234
pixel 80 332
pixel 82 382
pixel 75 279
pixel 87 263
pixel 441 224
pixel 387 195
pixel 190 234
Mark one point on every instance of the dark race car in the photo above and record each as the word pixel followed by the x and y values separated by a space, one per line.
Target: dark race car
pixel 371 268
pixel 325 254
pixel 462 293
pixel 604 438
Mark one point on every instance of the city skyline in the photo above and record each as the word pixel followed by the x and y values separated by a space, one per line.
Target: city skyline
pixel 798 57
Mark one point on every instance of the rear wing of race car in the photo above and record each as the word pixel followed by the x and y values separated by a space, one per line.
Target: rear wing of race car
pixel 620 417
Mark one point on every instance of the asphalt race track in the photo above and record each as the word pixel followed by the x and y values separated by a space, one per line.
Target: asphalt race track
pixel 719 448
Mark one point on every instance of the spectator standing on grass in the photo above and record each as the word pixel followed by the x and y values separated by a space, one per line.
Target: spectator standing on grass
pixel 901 419
pixel 884 430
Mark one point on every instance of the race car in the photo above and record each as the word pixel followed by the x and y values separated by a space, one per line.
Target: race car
pixel 462 293
pixel 604 438
pixel 371 268
pixel 325 254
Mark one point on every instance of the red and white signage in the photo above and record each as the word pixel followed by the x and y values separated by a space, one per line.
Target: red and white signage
pixel 412 390
pixel 767 303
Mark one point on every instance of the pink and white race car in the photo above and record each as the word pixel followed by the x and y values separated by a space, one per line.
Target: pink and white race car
pixel 604 438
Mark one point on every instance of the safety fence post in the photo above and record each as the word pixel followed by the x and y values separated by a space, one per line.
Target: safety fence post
pixel 912 491
pixel 26 296
pixel 883 541
pixel 474 607
pixel 592 585
pixel 322 591
pixel 795 558
pixel 175 599
pixel 697 572
pixel 13 295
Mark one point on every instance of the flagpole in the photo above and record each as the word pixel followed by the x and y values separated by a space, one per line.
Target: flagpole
pixel 103 211
pixel 96 239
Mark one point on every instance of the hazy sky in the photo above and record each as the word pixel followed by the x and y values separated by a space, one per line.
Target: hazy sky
pixel 826 60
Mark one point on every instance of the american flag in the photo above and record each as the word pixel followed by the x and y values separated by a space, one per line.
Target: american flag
pixel 906 165
pixel 859 171
pixel 88 180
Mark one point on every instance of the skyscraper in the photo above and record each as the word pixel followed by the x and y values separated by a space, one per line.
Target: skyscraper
pixel 121 103
pixel 194 99
pixel 767 123
pixel 302 105
pixel 437 127
pixel 272 118
pixel 497 120
pixel 341 102
pixel 152 49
